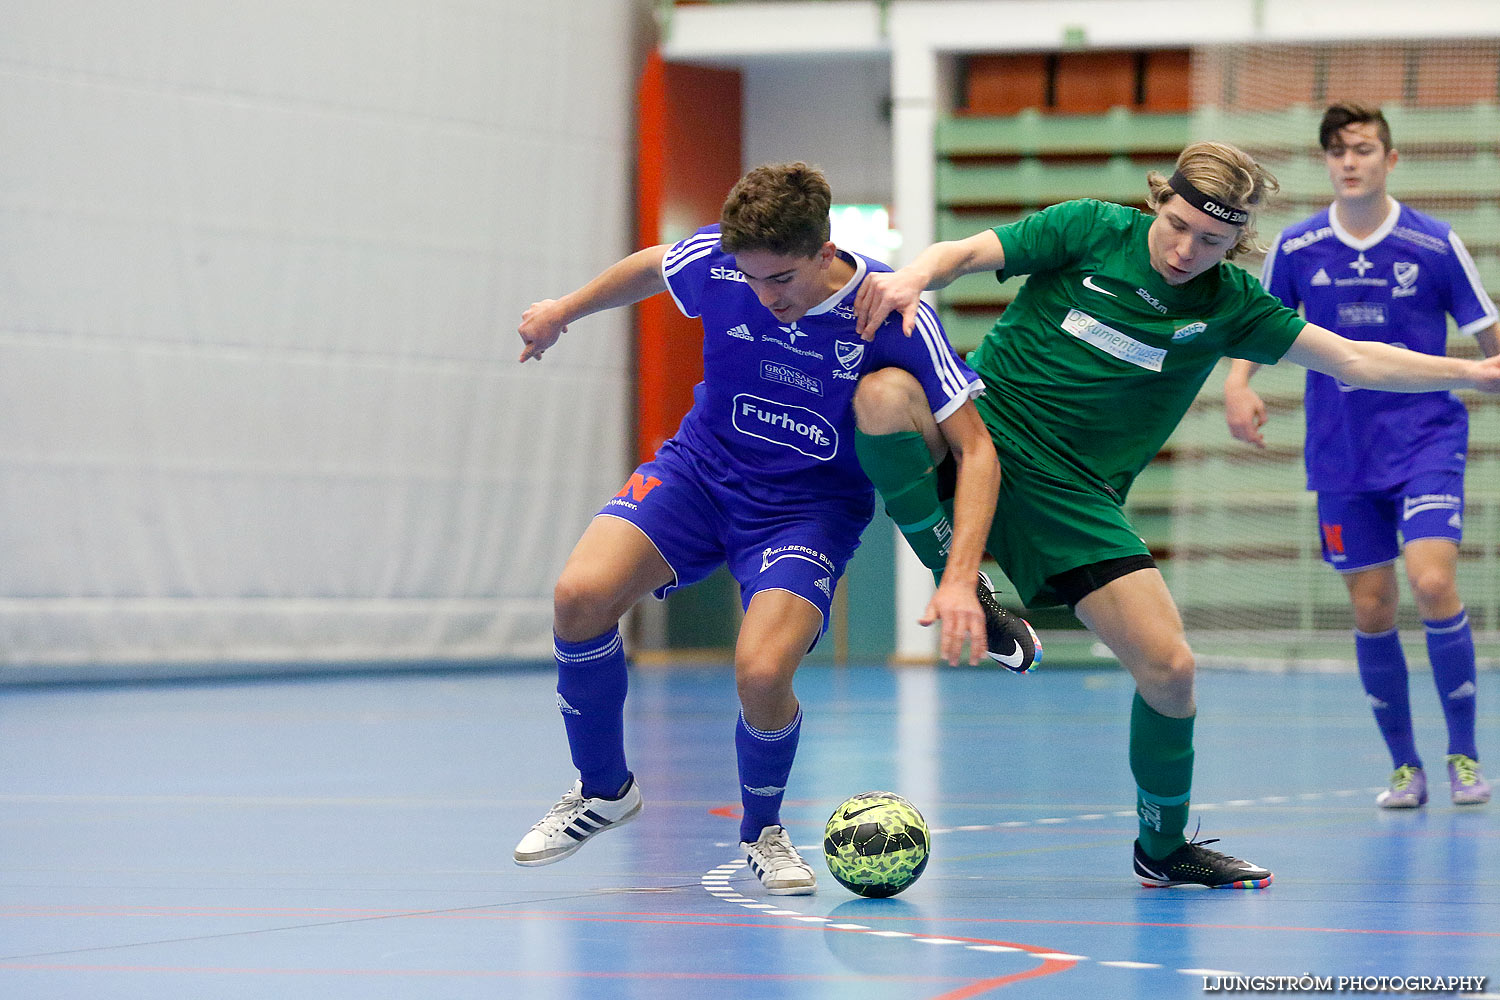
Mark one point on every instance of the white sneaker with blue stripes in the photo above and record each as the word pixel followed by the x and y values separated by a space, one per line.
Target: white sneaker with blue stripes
pixel 777 864
pixel 574 820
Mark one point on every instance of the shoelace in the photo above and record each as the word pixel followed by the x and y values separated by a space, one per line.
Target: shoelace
pixel 1404 776
pixel 556 817
pixel 779 848
pixel 1467 769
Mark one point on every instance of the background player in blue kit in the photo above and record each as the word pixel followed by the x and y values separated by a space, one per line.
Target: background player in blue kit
pixel 763 475
pixel 1371 268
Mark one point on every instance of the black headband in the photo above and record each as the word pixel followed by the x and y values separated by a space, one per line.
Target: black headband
pixel 1205 204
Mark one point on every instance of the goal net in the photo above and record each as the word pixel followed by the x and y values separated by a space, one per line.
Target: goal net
pixel 1241 554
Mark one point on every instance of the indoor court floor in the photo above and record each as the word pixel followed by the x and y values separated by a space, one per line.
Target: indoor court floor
pixel 351 837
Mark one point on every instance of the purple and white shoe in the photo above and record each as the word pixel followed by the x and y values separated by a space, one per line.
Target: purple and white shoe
pixel 1408 789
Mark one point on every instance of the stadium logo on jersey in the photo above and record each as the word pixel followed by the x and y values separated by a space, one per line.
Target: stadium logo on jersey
pixel 1151 300
pixel 769 557
pixel 1361 314
pixel 773 372
pixel 1321 278
pixel 794 427
pixel 725 274
pixel 1189 332
pixel 1111 341
pixel 1406 278
pixel 742 332
pixel 1411 506
pixel 1306 239
pixel 849 353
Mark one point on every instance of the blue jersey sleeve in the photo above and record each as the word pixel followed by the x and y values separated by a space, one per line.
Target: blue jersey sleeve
pixel 1276 275
pixel 1468 304
pixel 947 381
pixel 686 268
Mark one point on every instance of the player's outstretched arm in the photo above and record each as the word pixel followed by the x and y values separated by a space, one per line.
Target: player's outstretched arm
pixel 624 282
pixel 974 499
pixel 1373 365
pixel 1244 410
pixel 883 293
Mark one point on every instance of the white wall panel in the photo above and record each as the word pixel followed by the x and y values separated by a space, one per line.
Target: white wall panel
pixel 262 269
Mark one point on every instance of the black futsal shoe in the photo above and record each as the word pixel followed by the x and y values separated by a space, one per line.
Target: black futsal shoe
pixel 1012 641
pixel 1194 864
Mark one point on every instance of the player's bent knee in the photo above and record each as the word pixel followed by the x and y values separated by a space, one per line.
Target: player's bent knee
pixel 885 401
pixel 581 608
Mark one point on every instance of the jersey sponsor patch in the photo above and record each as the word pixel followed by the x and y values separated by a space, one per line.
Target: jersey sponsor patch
pixel 1111 341
pixel 1429 501
pixel 775 555
pixel 795 427
pixel 772 371
pixel 1362 314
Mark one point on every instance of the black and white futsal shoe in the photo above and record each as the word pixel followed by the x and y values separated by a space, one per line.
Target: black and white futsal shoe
pixel 1195 864
pixel 574 820
pixel 1012 641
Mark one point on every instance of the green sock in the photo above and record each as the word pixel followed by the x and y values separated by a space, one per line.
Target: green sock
pixel 901 468
pixel 1161 758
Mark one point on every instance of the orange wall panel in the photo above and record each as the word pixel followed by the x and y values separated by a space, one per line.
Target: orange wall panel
pixel 687 157
pixel 1003 85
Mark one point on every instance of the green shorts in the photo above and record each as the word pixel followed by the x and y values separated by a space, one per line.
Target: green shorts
pixel 1047 524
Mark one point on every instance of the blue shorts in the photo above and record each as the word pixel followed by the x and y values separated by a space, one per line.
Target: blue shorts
pixel 698 522
pixel 1359 529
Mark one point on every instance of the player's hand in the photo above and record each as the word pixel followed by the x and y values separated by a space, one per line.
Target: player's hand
pixel 1245 412
pixel 958 609
pixel 885 292
pixel 1488 379
pixel 540 327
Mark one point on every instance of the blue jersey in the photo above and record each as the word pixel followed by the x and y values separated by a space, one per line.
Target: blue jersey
pixel 1396 286
pixel 775 409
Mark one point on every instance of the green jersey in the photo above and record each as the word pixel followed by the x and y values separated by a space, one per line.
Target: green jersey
pixel 1096 361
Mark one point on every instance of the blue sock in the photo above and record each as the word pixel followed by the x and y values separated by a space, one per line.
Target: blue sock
pixel 1450 649
pixel 1382 671
pixel 765 763
pixel 591 685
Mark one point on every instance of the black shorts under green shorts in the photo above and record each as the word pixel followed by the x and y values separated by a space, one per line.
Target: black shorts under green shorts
pixel 1046 524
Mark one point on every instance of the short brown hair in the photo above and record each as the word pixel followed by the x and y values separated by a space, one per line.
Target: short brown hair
pixel 778 207
pixel 1225 173
pixel 1340 116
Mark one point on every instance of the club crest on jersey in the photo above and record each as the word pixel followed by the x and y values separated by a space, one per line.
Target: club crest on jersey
pixel 1406 278
pixel 1188 332
pixel 849 353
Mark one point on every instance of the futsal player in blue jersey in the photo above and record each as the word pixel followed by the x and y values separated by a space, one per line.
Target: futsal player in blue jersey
pixel 1386 463
pixel 762 475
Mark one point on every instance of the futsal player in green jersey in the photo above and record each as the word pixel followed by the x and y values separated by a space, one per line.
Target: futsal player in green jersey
pixel 1122 319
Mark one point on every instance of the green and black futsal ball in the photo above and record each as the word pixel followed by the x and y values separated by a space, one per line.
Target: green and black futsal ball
pixel 876 844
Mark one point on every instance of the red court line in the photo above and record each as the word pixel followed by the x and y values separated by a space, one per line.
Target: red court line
pixel 1049 966
pixel 481 913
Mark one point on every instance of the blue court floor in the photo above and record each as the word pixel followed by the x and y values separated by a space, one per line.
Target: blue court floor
pixel 351 838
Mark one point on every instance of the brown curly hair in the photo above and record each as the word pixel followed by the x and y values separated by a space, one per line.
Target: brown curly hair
pixel 778 207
